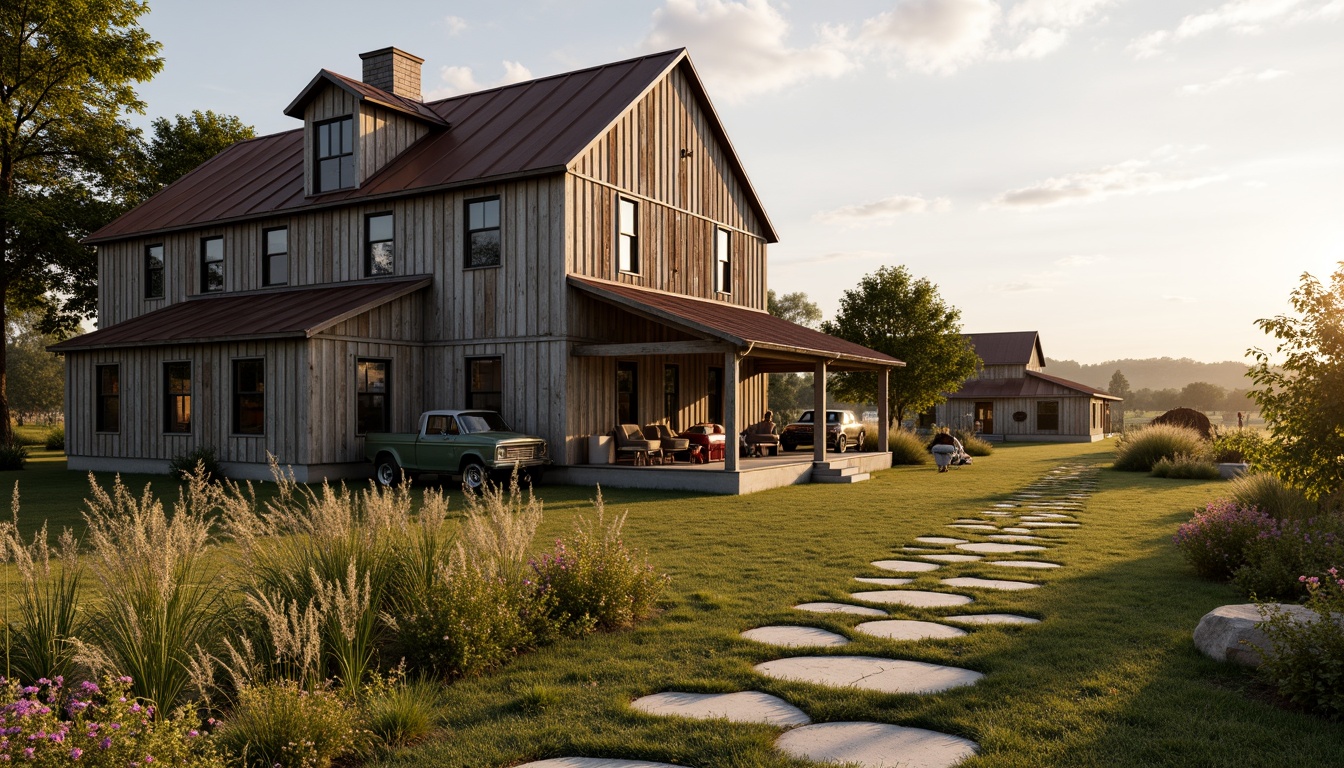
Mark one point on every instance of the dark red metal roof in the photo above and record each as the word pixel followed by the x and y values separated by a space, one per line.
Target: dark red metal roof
pixel 743 327
pixel 294 313
pixel 1034 384
pixel 1010 348
pixel 528 129
pixel 364 92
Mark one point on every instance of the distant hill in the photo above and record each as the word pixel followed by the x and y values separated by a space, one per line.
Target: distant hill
pixel 1153 372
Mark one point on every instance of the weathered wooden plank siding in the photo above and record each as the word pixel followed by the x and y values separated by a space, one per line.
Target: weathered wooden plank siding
pixel 332 394
pixel 383 135
pixel 329 103
pixel 1002 372
pixel 1074 415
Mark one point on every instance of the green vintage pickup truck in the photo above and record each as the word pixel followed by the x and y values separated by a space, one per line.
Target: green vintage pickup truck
pixel 473 444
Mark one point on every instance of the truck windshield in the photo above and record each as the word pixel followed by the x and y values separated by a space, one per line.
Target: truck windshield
pixel 481 421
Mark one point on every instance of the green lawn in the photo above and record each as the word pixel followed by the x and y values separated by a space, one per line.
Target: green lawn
pixel 1110 678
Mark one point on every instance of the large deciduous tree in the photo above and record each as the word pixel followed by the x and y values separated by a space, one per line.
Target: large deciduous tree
pixel 179 145
pixel 1202 396
pixel 892 312
pixel 1300 397
pixel 1119 384
pixel 791 393
pixel 794 307
pixel 67 74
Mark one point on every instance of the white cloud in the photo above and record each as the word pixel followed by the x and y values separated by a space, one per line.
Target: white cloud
pixel 1131 177
pixel 1039 43
pixel 1081 260
pixel 1237 76
pixel 742 47
pixel 457 80
pixel 1240 16
pixel 455 24
pixel 934 36
pixel 1055 13
pixel 883 211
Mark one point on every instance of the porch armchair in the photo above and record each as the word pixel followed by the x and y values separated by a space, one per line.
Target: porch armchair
pixel 760 437
pixel 710 438
pixel 670 443
pixel 631 444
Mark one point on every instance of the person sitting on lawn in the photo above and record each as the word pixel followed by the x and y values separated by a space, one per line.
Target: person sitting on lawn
pixel 945 448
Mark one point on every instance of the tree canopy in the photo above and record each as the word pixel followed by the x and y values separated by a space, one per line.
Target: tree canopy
pixel 892 312
pixel 1119 385
pixel 793 307
pixel 179 145
pixel 1300 397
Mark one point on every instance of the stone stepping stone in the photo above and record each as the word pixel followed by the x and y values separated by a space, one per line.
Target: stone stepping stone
pixel 952 558
pixel 1023 564
pixel 995 547
pixel 1049 524
pixel 1027 495
pixel 1038 518
pixel 1016 530
pixel 594 762
pixel 884 581
pixel 912 598
pixel 991 618
pixel 976 583
pixel 869 673
pixel 1014 537
pixel 973 526
pixel 919 549
pixel 742 707
pixel 796 637
pixel 823 607
pixel 904 566
pixel 939 540
pixel 1006 505
pixel 971 520
pixel 906 629
pixel 997 513
pixel 875 745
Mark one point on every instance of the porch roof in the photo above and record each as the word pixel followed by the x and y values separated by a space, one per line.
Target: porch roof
pixel 763 335
pixel 298 313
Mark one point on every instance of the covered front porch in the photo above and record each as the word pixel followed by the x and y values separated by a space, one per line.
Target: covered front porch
pixel 749 476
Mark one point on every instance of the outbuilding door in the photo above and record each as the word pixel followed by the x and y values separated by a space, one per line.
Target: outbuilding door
pixel 984 413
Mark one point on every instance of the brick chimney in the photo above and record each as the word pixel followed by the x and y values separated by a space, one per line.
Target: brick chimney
pixel 394 71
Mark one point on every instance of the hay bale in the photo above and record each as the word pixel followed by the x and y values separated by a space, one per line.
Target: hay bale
pixel 1188 418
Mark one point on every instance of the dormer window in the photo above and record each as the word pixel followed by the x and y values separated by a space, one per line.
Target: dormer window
pixel 335 160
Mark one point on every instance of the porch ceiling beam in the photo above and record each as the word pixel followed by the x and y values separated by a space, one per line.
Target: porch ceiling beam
pixel 652 348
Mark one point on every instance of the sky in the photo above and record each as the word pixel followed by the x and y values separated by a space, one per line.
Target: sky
pixel 1130 179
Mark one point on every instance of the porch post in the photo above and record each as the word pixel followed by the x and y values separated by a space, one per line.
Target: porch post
pixel 883 409
pixel 730 421
pixel 819 412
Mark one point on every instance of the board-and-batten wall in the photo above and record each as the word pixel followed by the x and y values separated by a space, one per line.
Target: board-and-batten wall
pixel 380 136
pixel 1075 415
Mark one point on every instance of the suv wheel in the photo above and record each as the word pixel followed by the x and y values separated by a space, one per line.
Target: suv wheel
pixel 840 443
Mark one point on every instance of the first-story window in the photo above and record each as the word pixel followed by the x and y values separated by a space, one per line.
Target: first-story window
pixel 482 235
pixel 485 383
pixel 715 399
pixel 212 264
pixel 275 259
pixel 627 393
pixel 107 407
pixel 671 394
pixel 249 397
pixel 627 235
pixel 154 271
pixel 177 397
pixel 379 245
pixel 1047 415
pixel 723 260
pixel 372 406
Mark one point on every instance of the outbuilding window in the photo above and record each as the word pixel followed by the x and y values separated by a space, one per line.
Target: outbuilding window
pixel 1047 415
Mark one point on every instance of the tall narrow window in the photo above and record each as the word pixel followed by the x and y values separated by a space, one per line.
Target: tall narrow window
pixel 627 235
pixel 1047 415
pixel 107 408
pixel 715 397
pixel 627 393
pixel 334 164
pixel 177 398
pixel 249 397
pixel 212 264
pixel 154 271
pixel 482 235
pixel 372 405
pixel 275 260
pixel 723 261
pixel 379 245
pixel 485 383
pixel 671 394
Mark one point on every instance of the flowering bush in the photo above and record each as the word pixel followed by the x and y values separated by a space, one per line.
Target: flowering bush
pixel 1288 548
pixel 1306 662
pixel 49 724
pixel 1215 541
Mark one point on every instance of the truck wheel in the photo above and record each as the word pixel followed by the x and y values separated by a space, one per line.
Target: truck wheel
pixel 473 475
pixel 386 471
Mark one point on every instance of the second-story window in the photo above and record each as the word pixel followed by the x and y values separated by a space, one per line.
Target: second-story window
pixel 334 166
pixel 723 261
pixel 379 246
pixel 212 264
pixel 154 271
pixel 275 259
pixel 627 235
pixel 482 236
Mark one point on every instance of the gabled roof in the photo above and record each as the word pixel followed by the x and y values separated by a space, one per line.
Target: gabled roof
pixel 1010 348
pixel 516 131
pixel 364 93
pixel 742 327
pixel 1034 384
pixel 297 313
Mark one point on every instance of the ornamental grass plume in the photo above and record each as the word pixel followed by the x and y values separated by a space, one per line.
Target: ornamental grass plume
pixel 1139 449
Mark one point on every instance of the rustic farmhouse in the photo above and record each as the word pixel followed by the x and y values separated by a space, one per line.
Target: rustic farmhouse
pixel 1012 399
pixel 577 252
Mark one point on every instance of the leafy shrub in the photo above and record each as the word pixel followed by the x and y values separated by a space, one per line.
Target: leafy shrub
pixel 13 455
pixel 1306 661
pixel 1285 550
pixel 203 457
pixel 1216 540
pixel 54 440
pixel 906 447
pixel 281 724
pixel 49 725
pixel 1237 446
pixel 594 580
pixel 1267 492
pixel 1182 467
pixel 1138 450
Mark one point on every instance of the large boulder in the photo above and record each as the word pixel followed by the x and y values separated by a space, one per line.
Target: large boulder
pixel 1228 633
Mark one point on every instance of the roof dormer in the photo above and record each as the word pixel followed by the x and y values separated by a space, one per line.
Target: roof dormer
pixel 353 129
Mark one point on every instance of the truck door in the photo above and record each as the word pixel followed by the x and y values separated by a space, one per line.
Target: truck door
pixel 439 448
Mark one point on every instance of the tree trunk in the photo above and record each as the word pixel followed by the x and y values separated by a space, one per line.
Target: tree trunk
pixel 6 191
